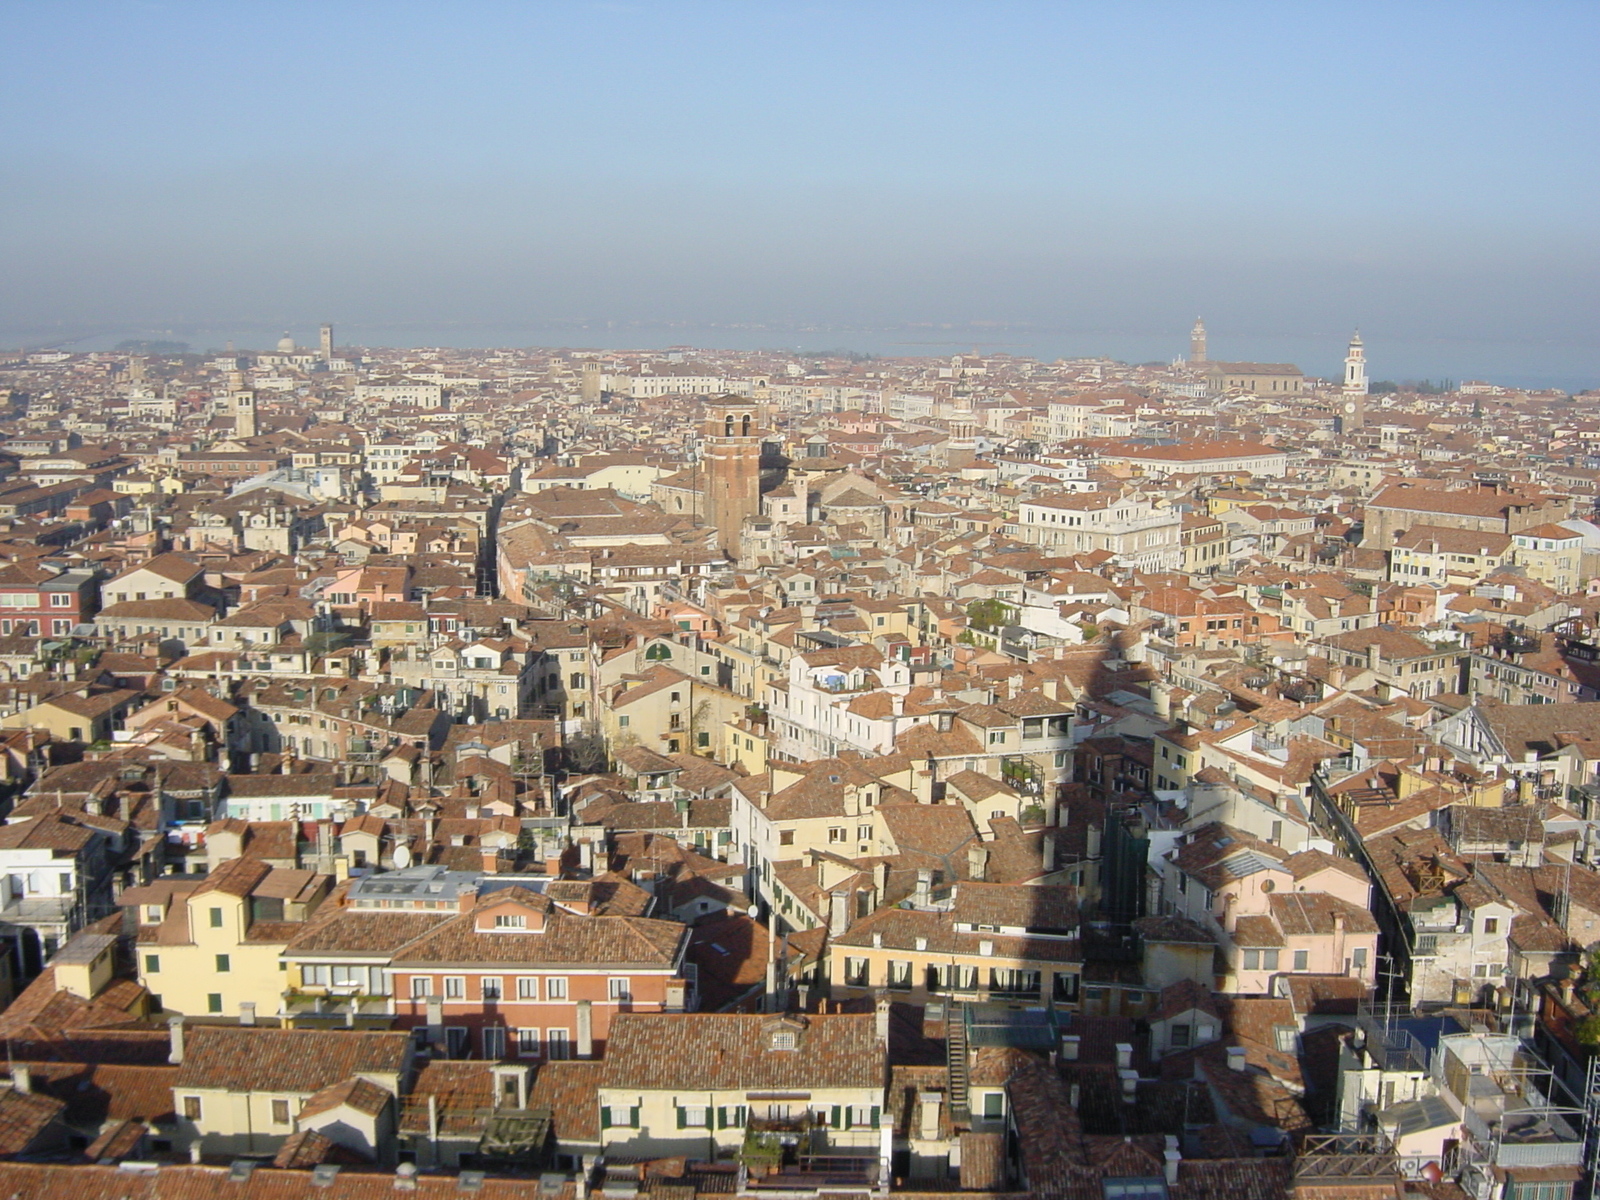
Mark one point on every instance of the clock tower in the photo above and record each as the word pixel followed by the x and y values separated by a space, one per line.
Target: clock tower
pixel 1354 394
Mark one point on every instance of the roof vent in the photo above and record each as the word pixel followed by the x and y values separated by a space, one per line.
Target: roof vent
pixel 324 1174
pixel 470 1181
pixel 239 1170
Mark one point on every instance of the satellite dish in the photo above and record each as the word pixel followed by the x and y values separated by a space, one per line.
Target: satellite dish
pixel 402 857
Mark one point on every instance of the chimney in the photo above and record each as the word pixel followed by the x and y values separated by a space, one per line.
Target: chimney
pixel 1047 852
pixel 1236 1058
pixel 341 869
pixel 1124 1055
pixel 929 1129
pixel 585 1029
pixel 247 1012
pixel 21 1077
pixel 1374 657
pixel 175 1033
pixel 491 861
pixel 1074 1094
pixel 923 896
pixel 978 862
pixel 1069 1047
pixel 435 1017
pixel 882 1022
pixel 1130 1084
pixel 1173 1156
pixel 838 913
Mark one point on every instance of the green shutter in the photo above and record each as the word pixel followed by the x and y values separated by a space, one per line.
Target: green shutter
pixel 605 1116
pixel 633 1117
pixel 722 1117
pixel 682 1117
pixel 838 1117
pixel 876 1114
pixel 738 1115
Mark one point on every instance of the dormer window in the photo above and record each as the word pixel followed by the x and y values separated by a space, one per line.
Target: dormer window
pixel 783 1039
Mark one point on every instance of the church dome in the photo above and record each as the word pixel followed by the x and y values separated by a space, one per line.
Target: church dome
pixel 286 344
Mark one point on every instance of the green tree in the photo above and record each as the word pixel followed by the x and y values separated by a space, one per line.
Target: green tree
pixel 990 614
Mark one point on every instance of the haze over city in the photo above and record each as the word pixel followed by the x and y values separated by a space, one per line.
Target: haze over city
pixel 1036 176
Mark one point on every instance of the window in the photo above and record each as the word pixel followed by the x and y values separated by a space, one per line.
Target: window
pixel 836 833
pixel 214 1002
pixel 856 972
pixel 1252 960
pixel 1360 958
pixel 1302 960
pixel 1180 1034
pixel 1269 960
pixel 216 918
pixel 280 1112
pixel 555 989
pixel 899 974
pixel 510 921
pixel 785 837
pixel 693 1116
pixel 455 987
pixel 559 1046
pixel 621 1115
pixel 421 986
pixel 618 989
pixel 191 1108
pixel 993 1106
pixel 491 988
pixel 528 987
pixel 1491 924
pixel 528 1042
pixel 223 964
pixel 494 1042
pixel 863 832
pixel 152 964
pixel 623 721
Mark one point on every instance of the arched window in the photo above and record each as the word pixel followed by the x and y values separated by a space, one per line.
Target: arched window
pixel 727 426
pixel 746 430
pixel 658 653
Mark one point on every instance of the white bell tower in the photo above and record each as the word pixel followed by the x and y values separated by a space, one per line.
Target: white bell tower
pixel 1355 385
pixel 1355 367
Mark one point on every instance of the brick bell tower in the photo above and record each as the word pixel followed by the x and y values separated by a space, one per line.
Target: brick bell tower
pixel 732 453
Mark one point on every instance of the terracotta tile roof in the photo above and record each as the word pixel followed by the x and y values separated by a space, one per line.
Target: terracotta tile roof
pixel 727 1051
pixel 303 1061
pixel 359 1094
pixel 571 1091
pixel 567 938
pixel 23 1117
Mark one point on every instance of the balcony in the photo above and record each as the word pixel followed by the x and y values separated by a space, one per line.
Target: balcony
pixel 335 1006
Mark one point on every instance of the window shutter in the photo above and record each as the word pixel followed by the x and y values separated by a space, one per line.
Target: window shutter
pixel 876 1115
pixel 722 1116
pixel 738 1115
pixel 683 1116
pixel 838 1117
pixel 633 1117
pixel 605 1116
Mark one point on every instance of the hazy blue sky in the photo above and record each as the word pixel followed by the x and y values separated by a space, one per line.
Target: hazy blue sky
pixel 1419 169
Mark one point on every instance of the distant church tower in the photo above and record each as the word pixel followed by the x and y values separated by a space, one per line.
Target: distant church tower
pixel 591 379
pixel 327 343
pixel 244 414
pixel 1197 343
pixel 1355 384
pixel 732 480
